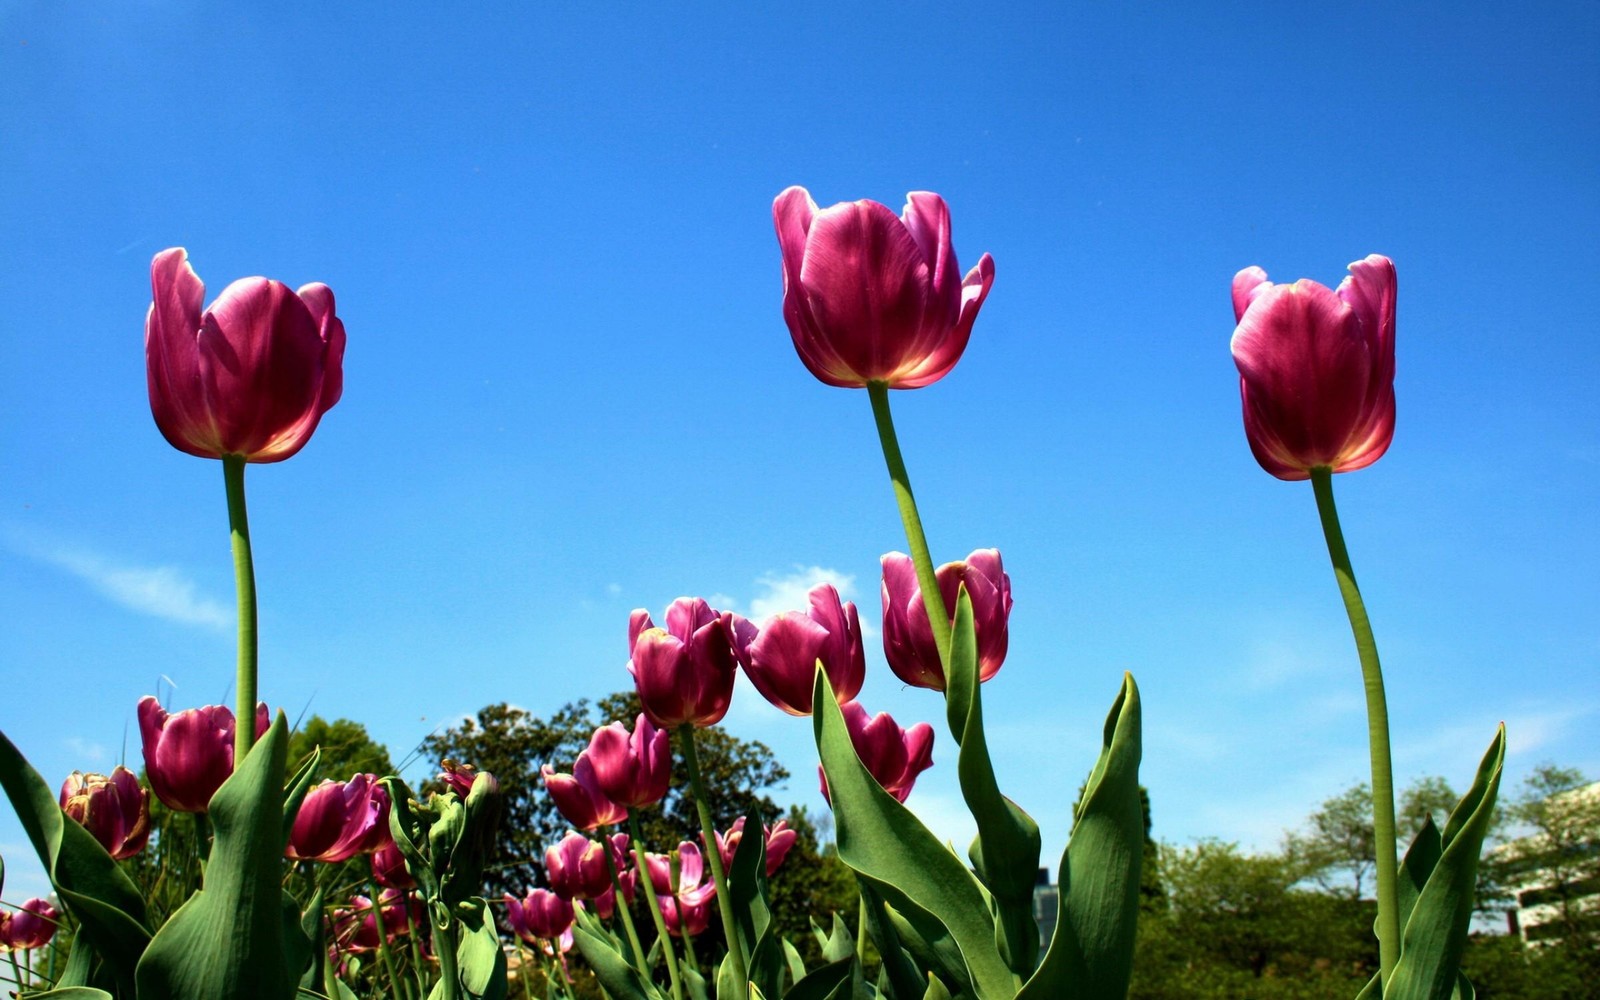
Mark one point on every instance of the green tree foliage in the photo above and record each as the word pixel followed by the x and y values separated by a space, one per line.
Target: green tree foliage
pixel 347 749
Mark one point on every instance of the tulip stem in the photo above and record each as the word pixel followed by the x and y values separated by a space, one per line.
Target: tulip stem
pixel 1383 819
pixel 622 903
pixel 244 580
pixel 927 580
pixel 708 833
pixel 648 887
pixel 16 973
pixel 687 938
pixel 383 937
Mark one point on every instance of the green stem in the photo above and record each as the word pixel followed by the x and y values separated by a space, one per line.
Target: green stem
pixel 244 580
pixel 417 965
pixel 861 932
pixel 523 971
pixel 927 580
pixel 444 949
pixel 649 889
pixel 16 973
pixel 383 939
pixel 691 760
pixel 1383 820
pixel 688 939
pixel 622 907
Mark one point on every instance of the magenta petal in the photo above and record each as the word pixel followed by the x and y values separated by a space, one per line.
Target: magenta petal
pixel 172 362
pixel 609 754
pixel 1247 284
pixel 783 661
pixel 927 218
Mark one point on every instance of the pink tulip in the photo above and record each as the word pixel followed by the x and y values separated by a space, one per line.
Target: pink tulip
pixel 908 642
pixel 115 809
pixel 695 884
pixel 188 755
pixel 893 756
pixel 605 904
pixel 684 672
pixel 871 297
pixel 632 769
pixel 356 928
pixel 543 914
pixel 577 866
pixel 339 820
pixel 681 916
pixel 779 838
pixel 781 657
pixel 1316 368
pixel 31 926
pixel 389 866
pixel 251 375
pixel 579 797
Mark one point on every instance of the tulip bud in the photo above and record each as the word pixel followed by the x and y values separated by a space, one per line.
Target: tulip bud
pixel 251 375
pixel 633 770
pixel 1316 368
pixel 32 926
pixel 892 755
pixel 871 297
pixel 578 868
pixel 908 642
pixel 781 657
pixel 188 755
pixel 115 809
pixel 684 672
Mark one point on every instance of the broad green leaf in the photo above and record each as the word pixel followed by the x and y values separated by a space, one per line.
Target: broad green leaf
pixel 1005 853
pixel 71 993
pixel 826 982
pixel 620 979
pixel 1091 954
pixel 694 982
pixel 1436 933
pixel 480 959
pixel 239 936
pixel 926 939
pixel 884 841
pixel 92 887
pixel 904 978
pixel 728 985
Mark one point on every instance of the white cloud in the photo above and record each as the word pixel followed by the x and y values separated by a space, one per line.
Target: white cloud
pixel 87 752
pixel 158 591
pixel 787 591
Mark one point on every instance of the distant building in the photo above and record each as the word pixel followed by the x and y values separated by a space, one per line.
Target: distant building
pixel 1046 896
pixel 1559 869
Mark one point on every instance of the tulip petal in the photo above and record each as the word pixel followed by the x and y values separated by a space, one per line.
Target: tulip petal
pixel 172 361
pixel 783 660
pixel 927 218
pixel 1247 284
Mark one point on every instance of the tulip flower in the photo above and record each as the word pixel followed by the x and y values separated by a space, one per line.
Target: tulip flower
pixel 389 865
pixel 632 769
pixel 684 672
pixel 31 926
pixel 605 904
pixel 778 839
pixel 1316 368
pixel 694 884
pixel 577 866
pixel 892 755
pixel 780 657
pixel 908 642
pixel 188 755
pixel 356 928
pixel 339 820
pixel 251 375
pixel 871 297
pixel 114 808
pixel 579 797
pixel 543 914
pixel 684 917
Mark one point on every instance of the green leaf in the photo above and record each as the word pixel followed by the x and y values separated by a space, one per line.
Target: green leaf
pixel 728 985
pixel 1005 852
pixel 239 936
pixel 620 979
pixel 826 982
pixel 930 943
pixel 480 960
pixel 884 841
pixel 1436 933
pixel 841 943
pixel 904 978
pixel 936 990
pixel 311 926
pixel 1091 954
pixel 71 993
pixel 694 982
pixel 92 887
pixel 797 965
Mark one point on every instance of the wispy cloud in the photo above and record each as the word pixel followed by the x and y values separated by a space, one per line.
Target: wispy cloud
pixel 787 591
pixel 158 591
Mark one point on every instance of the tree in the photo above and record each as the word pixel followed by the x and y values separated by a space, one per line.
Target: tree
pixel 1337 849
pixel 347 749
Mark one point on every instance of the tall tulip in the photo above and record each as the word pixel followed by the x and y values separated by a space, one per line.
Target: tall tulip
pixel 115 808
pixel 871 297
pixel 780 657
pixel 683 673
pixel 189 754
pixel 579 796
pixel 892 755
pixel 632 769
pixel 1316 368
pixel 908 636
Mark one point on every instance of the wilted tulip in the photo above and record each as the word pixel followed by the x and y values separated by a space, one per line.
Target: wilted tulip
pixel 543 914
pixel 632 769
pixel 115 809
pixel 577 866
pixel 389 866
pixel 908 642
pixel 893 756
pixel 31 926
pixel 780 657
pixel 457 777
pixel 579 797
pixel 251 375
pixel 874 297
pixel 1316 368
pixel 779 838
pixel 340 819
pixel 188 755
pixel 684 672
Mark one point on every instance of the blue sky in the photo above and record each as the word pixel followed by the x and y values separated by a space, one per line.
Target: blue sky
pixel 570 392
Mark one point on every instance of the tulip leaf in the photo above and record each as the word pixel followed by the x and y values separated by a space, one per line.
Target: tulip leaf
pixel 72 993
pixel 904 978
pixel 693 981
pixel 620 979
pixel 239 935
pixel 296 792
pixel 884 841
pixel 797 965
pixel 480 959
pixel 1091 954
pixel 1435 933
pixel 1005 853
pixel 92 887
pixel 728 985
pixel 935 990
pixel 841 944
pixel 826 982
pixel 311 926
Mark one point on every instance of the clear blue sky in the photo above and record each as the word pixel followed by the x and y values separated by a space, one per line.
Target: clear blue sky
pixel 570 392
